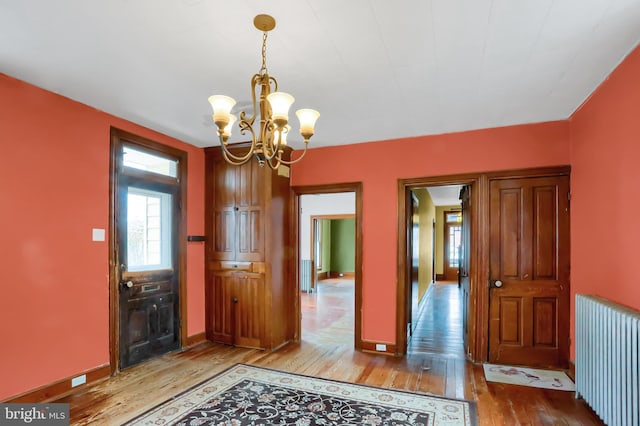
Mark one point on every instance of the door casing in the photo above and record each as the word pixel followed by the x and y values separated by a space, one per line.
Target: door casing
pixel 478 309
pixel 118 137
pixel 355 187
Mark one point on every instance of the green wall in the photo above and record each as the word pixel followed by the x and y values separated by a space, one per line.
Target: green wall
pixel 343 245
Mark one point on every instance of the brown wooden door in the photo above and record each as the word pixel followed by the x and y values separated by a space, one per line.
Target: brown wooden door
pixel 249 314
pixel 413 263
pixel 238 211
pixel 147 214
pixel 220 301
pixel 465 265
pixel 529 271
pixel 224 210
pixel 250 188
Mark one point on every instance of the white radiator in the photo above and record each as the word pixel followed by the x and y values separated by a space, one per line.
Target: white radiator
pixel 607 361
pixel 305 276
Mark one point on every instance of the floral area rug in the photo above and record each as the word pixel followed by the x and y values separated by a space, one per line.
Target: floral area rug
pixel 248 395
pixel 547 379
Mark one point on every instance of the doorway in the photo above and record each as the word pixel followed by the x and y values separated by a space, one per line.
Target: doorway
pixel 147 236
pixel 516 270
pixel 329 293
pixel 434 300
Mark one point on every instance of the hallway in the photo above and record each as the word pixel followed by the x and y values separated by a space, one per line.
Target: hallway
pixel 438 330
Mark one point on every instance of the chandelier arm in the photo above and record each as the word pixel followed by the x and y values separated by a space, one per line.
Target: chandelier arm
pixel 226 155
pixel 288 163
pixel 276 165
pixel 238 158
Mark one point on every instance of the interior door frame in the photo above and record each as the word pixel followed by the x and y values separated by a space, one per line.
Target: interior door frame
pixel 478 309
pixel 404 188
pixel 355 187
pixel 118 138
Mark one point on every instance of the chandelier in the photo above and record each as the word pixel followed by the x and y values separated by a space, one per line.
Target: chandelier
pixel 268 142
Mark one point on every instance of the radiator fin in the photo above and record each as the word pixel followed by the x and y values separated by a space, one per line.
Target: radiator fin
pixel 607 362
pixel 305 276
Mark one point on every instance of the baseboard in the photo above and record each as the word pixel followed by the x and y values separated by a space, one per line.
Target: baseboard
pixel 60 388
pixel 572 370
pixel 351 275
pixel 423 300
pixel 323 275
pixel 196 339
pixel 370 347
pixel 440 277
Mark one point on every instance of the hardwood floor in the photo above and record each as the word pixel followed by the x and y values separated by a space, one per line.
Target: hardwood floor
pixel 434 365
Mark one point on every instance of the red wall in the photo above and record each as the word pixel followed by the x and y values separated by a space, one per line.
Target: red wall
pixel 54 188
pixel 379 165
pixel 605 158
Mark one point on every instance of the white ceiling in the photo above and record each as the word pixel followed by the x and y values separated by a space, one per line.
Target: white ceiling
pixel 446 195
pixel 374 69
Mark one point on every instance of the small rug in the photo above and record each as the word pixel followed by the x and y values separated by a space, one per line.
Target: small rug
pixel 547 379
pixel 248 395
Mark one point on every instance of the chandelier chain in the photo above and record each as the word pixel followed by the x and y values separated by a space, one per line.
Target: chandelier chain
pixel 263 68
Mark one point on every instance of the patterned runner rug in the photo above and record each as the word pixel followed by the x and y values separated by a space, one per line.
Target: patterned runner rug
pixel 248 395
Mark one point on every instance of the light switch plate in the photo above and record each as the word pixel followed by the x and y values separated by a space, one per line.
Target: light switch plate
pixel 98 234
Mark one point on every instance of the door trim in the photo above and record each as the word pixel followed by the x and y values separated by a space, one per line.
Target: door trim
pixel 404 188
pixel 478 310
pixel 117 138
pixel 355 187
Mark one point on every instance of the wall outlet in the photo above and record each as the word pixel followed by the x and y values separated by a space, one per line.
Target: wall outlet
pixel 381 347
pixel 80 380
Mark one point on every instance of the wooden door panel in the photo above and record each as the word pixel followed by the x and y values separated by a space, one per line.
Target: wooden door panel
pixel 250 185
pixel 250 242
pixel 545 316
pixel 224 234
pixel 510 232
pixel 249 316
pixel 220 297
pixel 223 179
pixel 529 243
pixel 545 238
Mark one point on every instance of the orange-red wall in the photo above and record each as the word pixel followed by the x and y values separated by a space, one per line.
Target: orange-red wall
pixel 54 188
pixel 605 186
pixel 379 165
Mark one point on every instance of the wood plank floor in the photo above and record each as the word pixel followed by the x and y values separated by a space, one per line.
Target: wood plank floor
pixel 434 365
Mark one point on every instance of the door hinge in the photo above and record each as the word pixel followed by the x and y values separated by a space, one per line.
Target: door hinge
pixel 569 195
pixel 569 341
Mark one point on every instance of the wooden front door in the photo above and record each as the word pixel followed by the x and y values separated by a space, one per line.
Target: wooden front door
pixel 147 217
pixel 529 271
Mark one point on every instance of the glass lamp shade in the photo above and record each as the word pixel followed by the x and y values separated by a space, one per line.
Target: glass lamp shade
pixel 227 129
pixel 221 106
pixel 307 119
pixel 282 135
pixel 280 103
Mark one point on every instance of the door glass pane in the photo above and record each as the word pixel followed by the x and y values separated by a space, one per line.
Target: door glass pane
pixel 148 229
pixel 149 162
pixel 455 233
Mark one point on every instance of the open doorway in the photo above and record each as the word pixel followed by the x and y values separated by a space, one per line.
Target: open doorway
pixel 435 249
pixel 329 244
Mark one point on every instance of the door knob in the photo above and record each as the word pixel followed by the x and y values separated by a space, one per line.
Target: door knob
pixel 234 300
pixel 127 284
pixel 498 283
